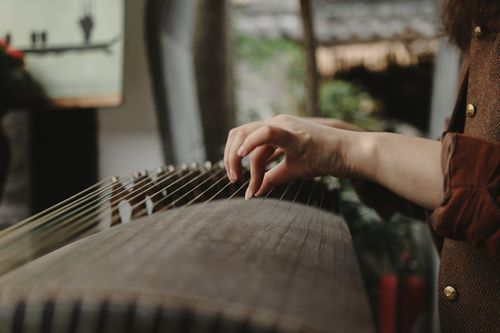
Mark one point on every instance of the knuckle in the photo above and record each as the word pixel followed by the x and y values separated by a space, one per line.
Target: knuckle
pixel 238 138
pixel 232 132
pixel 269 131
pixel 282 117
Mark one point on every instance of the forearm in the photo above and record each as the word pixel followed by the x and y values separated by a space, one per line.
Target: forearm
pixel 408 166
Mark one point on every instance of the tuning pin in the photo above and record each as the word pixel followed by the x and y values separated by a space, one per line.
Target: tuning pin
pixel 115 179
pixel 220 164
pixel 170 168
pixel 193 166
pixel 207 165
pixel 184 167
pixel 136 175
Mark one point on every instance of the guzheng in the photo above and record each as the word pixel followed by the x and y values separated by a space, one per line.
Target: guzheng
pixel 179 250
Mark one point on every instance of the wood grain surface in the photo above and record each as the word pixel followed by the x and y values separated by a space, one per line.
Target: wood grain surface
pixel 261 265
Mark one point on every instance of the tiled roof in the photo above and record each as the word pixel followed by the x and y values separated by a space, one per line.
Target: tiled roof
pixel 342 22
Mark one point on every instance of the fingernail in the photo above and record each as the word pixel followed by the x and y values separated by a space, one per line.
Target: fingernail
pixel 233 177
pixel 248 194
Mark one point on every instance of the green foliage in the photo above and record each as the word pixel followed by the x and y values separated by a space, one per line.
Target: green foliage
pixel 381 244
pixel 262 54
pixel 345 101
pixel 338 99
pixel 259 51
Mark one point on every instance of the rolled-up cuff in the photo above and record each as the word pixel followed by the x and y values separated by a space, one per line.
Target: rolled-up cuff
pixel 470 210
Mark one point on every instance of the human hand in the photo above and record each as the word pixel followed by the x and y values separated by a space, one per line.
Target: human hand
pixel 336 123
pixel 309 148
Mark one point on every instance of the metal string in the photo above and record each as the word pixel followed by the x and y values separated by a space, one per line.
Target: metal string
pixel 43 221
pixel 85 222
pixel 143 202
pixel 178 189
pixel 192 211
pixel 57 213
pixel 72 202
pixel 172 204
pixel 62 225
pixel 53 208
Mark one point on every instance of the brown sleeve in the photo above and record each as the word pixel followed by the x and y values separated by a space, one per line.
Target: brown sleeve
pixel 470 210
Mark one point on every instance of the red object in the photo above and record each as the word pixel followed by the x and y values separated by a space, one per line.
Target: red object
pixel 388 299
pixel 413 302
pixel 11 52
pixel 400 306
pixel 16 54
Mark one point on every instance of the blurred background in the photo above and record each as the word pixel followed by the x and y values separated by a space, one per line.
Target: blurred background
pixel 94 88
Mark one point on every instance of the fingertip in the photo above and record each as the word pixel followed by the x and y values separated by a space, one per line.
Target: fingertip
pixel 233 177
pixel 228 173
pixel 248 193
pixel 260 192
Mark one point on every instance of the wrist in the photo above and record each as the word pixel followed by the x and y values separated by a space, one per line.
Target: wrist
pixel 359 150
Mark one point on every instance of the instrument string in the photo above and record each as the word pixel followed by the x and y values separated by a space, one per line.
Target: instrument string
pixel 173 204
pixel 185 215
pixel 69 218
pixel 283 194
pixel 43 241
pixel 144 210
pixel 161 241
pixel 289 280
pixel 182 187
pixel 65 203
pixel 95 257
pixel 74 200
pixel 206 191
pixel 279 213
pixel 102 197
pixel 202 205
pixel 43 221
pixel 96 217
pixel 197 209
pixel 92 198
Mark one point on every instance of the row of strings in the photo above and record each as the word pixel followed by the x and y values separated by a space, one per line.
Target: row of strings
pixel 118 200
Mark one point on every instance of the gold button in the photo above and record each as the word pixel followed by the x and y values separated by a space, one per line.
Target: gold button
pixel 477 31
pixel 470 110
pixel 450 293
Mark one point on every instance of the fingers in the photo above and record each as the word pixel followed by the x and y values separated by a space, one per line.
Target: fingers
pixel 232 162
pixel 258 162
pixel 226 151
pixel 274 177
pixel 264 135
pixel 277 153
pixel 244 139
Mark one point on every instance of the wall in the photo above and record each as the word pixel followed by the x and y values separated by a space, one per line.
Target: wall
pixel 444 88
pixel 128 135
